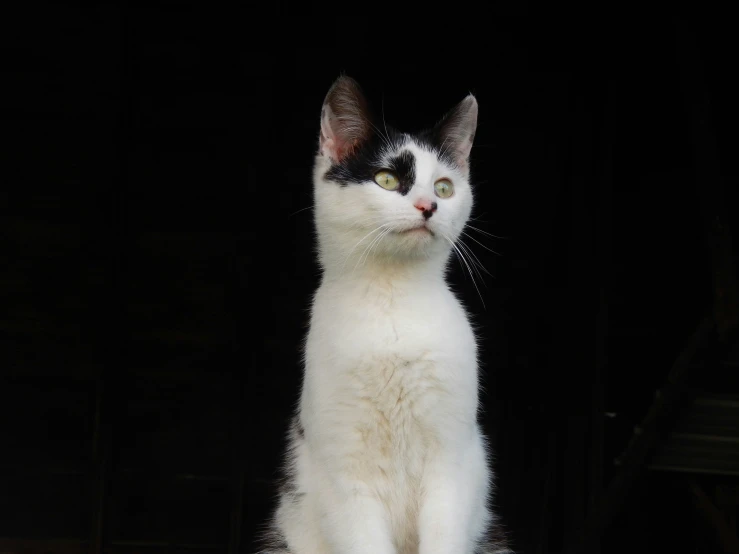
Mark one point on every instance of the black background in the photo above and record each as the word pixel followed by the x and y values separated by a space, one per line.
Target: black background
pixel 158 263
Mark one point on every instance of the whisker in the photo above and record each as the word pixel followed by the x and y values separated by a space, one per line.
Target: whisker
pixel 360 242
pixel 481 244
pixel 385 139
pixel 472 263
pixel 461 256
pixel 475 260
pixel 443 144
pixel 383 118
pixel 367 250
pixel 372 245
pixel 486 233
pixel 300 210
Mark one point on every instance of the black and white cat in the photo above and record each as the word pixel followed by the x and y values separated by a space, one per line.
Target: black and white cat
pixel 385 454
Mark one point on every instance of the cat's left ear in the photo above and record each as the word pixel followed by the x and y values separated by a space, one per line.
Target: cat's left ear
pixel 345 120
pixel 456 131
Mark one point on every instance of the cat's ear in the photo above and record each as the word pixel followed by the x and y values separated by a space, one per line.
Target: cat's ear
pixel 456 131
pixel 345 120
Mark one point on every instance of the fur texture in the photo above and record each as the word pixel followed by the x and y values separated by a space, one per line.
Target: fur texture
pixel 385 455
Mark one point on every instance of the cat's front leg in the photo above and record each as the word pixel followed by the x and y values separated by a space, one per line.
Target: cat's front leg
pixel 453 512
pixel 354 521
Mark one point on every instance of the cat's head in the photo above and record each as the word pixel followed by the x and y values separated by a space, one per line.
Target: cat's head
pixel 387 196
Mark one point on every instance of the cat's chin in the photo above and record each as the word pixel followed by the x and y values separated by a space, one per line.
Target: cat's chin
pixel 416 242
pixel 415 237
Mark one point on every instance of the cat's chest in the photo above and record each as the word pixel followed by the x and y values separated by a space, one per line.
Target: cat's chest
pixel 401 358
pixel 399 374
pixel 386 326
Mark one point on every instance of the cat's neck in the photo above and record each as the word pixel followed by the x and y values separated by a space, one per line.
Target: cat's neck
pixel 398 274
pixel 351 261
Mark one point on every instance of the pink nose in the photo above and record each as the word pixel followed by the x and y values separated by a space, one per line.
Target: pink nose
pixel 427 207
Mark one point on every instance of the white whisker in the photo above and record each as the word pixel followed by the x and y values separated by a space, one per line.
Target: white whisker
pixel 368 249
pixel 300 210
pixel 360 241
pixel 476 261
pixel 486 233
pixel 481 244
pixel 469 269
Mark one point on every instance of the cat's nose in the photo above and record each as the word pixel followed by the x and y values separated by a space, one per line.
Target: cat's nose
pixel 427 207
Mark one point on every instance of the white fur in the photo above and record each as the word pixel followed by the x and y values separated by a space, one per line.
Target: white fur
pixel 392 460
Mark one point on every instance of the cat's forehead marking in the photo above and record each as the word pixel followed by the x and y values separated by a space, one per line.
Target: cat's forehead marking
pixel 412 158
pixel 403 164
pixel 427 162
pixel 362 165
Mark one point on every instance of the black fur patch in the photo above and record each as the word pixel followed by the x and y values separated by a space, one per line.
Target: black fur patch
pixel 362 164
pixel 404 167
pixel 433 140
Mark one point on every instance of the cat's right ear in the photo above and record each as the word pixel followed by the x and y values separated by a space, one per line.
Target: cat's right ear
pixel 345 120
pixel 456 131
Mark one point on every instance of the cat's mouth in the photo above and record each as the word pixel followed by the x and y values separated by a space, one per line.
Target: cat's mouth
pixel 420 229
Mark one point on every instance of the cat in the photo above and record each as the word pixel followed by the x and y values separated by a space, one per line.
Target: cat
pixel 385 455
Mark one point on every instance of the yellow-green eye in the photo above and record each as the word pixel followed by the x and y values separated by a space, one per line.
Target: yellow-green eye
pixel 387 180
pixel 443 188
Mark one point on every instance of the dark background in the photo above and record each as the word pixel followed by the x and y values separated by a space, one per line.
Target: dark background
pixel 157 262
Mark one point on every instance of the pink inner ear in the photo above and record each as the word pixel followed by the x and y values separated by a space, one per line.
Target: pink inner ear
pixel 333 149
pixel 332 144
pixel 460 126
pixel 329 145
pixel 344 120
pixel 465 148
pixel 461 151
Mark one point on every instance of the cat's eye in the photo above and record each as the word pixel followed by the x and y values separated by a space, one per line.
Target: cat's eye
pixel 387 180
pixel 443 188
